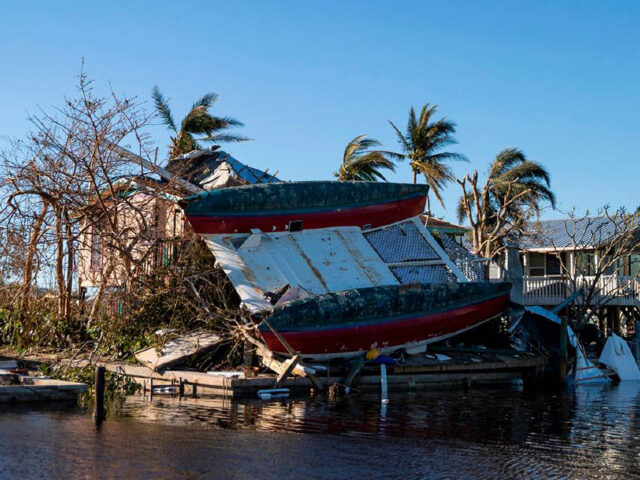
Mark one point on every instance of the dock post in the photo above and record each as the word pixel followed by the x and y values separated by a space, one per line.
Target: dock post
pixel 384 393
pixel 99 412
pixel 181 388
pixel 194 390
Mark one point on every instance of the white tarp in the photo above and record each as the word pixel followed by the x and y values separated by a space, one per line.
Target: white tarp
pixel 617 355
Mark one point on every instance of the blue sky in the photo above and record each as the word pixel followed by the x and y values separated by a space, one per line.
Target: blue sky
pixel 558 80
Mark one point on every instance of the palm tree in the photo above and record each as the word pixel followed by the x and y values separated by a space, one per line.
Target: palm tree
pixel 513 174
pixel 422 144
pixel 515 188
pixel 361 163
pixel 199 121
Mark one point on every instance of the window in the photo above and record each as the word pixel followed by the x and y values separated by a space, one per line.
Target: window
pixel 585 263
pixel 536 264
pixel 634 265
pixel 96 250
pixel 553 264
pixel 295 226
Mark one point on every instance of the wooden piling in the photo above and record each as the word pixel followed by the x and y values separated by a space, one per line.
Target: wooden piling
pixel 99 412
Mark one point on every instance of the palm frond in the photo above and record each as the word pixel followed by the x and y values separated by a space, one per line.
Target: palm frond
pixel 406 147
pixel 360 163
pixel 225 138
pixel 206 101
pixel 162 107
pixel 461 211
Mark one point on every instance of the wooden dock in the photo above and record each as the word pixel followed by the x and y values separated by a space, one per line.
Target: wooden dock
pixel 34 389
pixel 463 371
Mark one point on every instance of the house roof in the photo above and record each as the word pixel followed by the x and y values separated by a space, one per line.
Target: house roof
pixel 586 232
pixel 213 168
pixel 128 185
pixel 437 225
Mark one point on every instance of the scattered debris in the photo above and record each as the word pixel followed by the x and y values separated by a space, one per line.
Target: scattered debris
pixel 178 349
pixel 617 355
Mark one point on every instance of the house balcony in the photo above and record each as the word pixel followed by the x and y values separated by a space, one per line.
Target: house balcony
pixel 610 290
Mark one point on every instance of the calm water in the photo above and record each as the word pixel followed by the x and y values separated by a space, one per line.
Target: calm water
pixel 589 433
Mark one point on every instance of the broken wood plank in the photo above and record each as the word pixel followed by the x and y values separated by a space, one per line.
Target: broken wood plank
pixel 177 349
pixel 292 363
pixel 266 353
pixel 280 338
pixel 292 352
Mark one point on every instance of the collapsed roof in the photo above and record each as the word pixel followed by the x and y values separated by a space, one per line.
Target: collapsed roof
pixel 213 168
pixel 332 259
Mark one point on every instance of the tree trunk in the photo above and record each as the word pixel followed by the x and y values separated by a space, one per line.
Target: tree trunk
pixel 70 263
pixel 27 274
pixel 98 298
pixel 60 280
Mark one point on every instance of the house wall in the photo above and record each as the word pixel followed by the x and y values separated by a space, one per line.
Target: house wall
pixel 164 221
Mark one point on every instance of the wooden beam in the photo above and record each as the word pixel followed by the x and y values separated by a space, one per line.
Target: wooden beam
pixel 293 362
pixel 154 168
pixel 293 353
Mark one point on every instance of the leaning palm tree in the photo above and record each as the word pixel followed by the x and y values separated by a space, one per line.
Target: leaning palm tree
pixel 199 121
pixel 361 163
pixel 423 143
pixel 516 188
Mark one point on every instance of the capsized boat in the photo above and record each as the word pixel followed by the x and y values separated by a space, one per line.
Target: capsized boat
pixel 293 206
pixel 389 318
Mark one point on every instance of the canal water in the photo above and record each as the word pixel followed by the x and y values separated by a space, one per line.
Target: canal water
pixel 592 432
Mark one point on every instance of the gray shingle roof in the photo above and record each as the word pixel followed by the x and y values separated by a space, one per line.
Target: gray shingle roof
pixel 586 232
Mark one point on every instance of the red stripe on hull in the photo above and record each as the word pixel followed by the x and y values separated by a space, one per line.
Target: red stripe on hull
pixel 339 341
pixel 375 215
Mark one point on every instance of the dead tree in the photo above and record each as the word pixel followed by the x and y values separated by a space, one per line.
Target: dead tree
pixel 63 181
pixel 491 225
pixel 69 189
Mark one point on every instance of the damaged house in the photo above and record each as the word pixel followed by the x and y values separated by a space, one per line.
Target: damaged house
pixel 151 224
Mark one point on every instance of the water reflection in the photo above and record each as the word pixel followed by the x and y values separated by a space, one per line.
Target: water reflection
pixel 588 433
pixel 483 415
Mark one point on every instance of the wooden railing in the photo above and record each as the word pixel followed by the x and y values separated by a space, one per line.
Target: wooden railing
pixel 545 290
pixel 161 254
pixel 609 290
